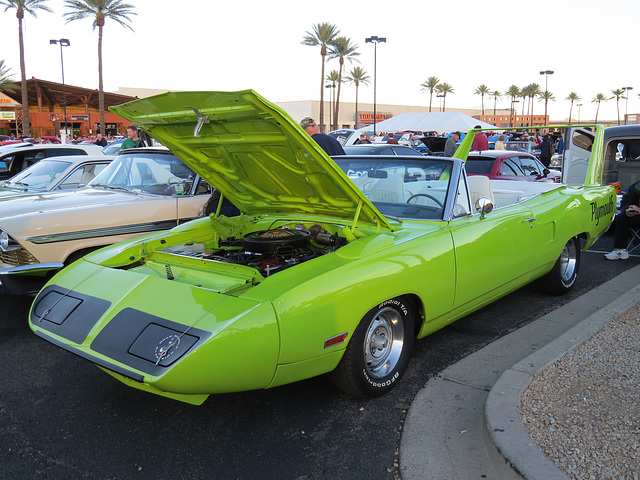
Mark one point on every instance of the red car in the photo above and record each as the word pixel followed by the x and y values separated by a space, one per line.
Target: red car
pixel 509 165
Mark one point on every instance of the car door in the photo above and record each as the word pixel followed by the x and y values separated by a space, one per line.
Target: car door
pixel 578 145
pixel 194 203
pixel 493 254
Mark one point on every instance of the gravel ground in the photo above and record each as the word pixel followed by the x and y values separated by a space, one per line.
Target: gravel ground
pixel 584 410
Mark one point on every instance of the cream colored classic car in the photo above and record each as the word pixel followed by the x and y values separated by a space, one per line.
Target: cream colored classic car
pixel 143 190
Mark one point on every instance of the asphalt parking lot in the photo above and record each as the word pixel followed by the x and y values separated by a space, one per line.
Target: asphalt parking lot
pixel 63 418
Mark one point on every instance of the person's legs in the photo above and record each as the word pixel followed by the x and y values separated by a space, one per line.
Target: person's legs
pixel 622 224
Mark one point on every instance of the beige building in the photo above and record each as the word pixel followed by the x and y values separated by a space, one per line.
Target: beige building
pixel 311 108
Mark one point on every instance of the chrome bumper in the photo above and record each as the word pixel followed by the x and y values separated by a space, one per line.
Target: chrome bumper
pixel 27 279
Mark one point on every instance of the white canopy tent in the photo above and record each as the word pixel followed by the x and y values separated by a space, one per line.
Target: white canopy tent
pixel 441 122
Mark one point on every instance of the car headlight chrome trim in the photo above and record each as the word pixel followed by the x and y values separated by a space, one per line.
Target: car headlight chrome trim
pixel 7 244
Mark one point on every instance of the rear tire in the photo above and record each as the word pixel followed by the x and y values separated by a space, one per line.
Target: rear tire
pixel 378 352
pixel 564 273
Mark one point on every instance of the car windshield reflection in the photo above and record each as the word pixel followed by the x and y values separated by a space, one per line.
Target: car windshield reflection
pixel 39 176
pixel 146 172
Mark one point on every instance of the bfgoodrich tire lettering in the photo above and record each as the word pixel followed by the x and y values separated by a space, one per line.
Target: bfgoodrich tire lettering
pixel 564 273
pixel 378 352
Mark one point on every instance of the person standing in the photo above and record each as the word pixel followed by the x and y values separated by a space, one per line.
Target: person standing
pixel 629 216
pixel 546 150
pixel 500 143
pixel 100 140
pixel 451 145
pixel 132 140
pixel 329 144
pixel 480 141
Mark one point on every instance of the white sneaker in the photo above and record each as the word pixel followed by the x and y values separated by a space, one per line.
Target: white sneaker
pixel 617 254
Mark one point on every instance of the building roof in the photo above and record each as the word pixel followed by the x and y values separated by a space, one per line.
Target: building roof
pixel 51 93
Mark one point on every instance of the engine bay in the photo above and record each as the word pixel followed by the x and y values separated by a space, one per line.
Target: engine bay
pixel 268 251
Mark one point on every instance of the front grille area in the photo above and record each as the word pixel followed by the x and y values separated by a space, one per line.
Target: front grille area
pixel 18 258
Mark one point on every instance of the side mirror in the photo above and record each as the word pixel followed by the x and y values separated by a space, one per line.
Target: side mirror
pixel 546 172
pixel 484 205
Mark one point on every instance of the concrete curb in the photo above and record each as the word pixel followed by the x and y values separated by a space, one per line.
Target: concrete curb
pixel 513 452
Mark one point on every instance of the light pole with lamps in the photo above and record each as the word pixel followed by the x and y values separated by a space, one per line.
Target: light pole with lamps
pixel 546 74
pixel 64 42
pixel 579 105
pixel 331 97
pixel 375 40
pixel 626 106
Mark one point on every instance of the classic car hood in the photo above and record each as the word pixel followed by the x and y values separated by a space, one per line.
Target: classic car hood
pixel 52 202
pixel 252 152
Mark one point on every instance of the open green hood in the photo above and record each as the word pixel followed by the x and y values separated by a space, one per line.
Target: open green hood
pixel 253 153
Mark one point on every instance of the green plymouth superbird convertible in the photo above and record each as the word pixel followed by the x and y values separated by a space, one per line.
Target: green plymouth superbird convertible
pixel 333 266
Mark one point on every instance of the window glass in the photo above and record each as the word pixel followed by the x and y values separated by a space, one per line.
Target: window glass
pixel 40 175
pixel 404 188
pixel 530 166
pixel 511 166
pixel 81 176
pixel 147 172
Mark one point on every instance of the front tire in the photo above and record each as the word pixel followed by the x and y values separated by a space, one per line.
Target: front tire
pixel 378 352
pixel 564 273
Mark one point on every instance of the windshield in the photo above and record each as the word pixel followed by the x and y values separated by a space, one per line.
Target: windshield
pixel 146 172
pixel 38 176
pixel 402 187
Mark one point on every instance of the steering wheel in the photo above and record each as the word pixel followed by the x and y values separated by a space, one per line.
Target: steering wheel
pixel 416 195
pixel 173 180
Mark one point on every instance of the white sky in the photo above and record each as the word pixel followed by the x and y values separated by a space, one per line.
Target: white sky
pixel 591 45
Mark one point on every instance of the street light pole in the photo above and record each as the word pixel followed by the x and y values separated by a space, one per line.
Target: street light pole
pixel 64 42
pixel 331 99
pixel 375 40
pixel 579 105
pixel 626 106
pixel 546 74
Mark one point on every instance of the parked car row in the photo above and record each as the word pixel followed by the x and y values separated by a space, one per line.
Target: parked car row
pixel 143 190
pixel 15 158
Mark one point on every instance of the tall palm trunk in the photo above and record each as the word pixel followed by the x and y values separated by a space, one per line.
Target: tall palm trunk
pixel 323 52
pixel 570 111
pixel 336 108
pixel 26 123
pixel 103 124
pixel 597 110
pixel 355 115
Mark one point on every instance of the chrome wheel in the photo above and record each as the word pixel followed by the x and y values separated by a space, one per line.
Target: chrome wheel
pixel 568 263
pixel 383 343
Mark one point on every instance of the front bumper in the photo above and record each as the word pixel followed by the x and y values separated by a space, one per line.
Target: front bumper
pixel 26 279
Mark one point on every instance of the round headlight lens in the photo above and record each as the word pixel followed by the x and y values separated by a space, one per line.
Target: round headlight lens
pixel 4 241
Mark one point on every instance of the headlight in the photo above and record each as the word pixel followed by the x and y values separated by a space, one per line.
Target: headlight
pixel 4 241
pixel 7 244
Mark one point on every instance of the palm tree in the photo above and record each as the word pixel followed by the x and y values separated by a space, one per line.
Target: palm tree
pixel 482 90
pixel 533 89
pixel 443 89
pixel 514 92
pixel 100 10
pixel 430 86
pixel 598 99
pixel 31 7
pixel 323 35
pixel 356 76
pixel 341 49
pixel 524 94
pixel 546 96
pixel 617 93
pixel 495 95
pixel 6 84
pixel 333 78
pixel 572 97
